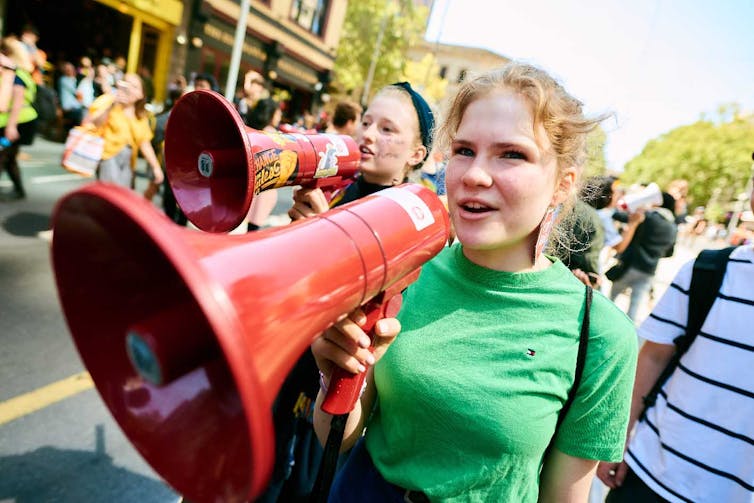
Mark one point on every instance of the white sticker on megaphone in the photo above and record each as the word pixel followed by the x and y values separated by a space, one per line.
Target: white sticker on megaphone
pixel 413 205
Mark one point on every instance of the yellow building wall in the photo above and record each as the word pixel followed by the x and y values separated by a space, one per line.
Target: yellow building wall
pixel 165 16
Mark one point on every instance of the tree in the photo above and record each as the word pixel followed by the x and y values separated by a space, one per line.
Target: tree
pixel 402 25
pixel 424 75
pixel 713 154
pixel 595 148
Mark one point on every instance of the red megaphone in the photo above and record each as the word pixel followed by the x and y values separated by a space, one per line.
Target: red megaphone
pixel 189 336
pixel 215 164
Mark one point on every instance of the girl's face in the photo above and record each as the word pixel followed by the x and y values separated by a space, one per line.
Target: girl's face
pixel 129 90
pixel 387 139
pixel 501 180
pixel 277 116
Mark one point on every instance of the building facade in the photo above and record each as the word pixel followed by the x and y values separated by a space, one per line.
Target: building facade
pixel 292 42
pixel 456 62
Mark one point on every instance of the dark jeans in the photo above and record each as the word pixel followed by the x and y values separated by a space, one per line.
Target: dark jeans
pixel 360 481
pixel 170 205
pixel 9 164
pixel 633 490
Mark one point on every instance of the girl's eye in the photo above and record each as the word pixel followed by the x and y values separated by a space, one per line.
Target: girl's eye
pixel 513 154
pixel 463 151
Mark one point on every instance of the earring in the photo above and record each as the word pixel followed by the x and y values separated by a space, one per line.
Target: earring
pixel 543 234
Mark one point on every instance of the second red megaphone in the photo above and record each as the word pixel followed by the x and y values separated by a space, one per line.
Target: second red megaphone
pixel 215 164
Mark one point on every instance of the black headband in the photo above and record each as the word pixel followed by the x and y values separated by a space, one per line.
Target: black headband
pixel 423 112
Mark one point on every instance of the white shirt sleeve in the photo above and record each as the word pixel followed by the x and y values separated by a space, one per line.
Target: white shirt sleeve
pixel 668 319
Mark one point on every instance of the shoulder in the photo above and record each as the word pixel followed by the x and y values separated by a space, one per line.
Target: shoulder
pixel 610 330
pixel 103 101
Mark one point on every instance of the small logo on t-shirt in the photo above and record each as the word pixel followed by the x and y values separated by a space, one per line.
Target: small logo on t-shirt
pixel 530 352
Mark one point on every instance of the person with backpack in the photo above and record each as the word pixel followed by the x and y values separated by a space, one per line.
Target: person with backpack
pixel 18 119
pixel 646 240
pixel 693 400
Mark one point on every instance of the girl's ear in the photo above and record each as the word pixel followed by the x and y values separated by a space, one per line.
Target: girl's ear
pixel 417 156
pixel 565 186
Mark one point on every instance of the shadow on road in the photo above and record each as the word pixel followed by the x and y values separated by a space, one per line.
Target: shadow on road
pixel 48 474
pixel 26 224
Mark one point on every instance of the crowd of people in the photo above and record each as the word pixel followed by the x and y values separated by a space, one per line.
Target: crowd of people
pixel 509 374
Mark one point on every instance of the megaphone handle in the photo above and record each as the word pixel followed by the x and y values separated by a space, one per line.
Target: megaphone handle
pixel 344 389
pixel 331 187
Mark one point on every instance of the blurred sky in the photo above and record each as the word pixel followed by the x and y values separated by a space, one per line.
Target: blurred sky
pixel 657 64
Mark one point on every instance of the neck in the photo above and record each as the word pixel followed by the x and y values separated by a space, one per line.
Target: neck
pixel 381 180
pixel 515 258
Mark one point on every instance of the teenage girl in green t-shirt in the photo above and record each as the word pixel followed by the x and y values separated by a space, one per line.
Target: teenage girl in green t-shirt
pixel 464 405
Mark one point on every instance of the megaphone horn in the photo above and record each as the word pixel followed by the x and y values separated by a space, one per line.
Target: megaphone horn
pixel 645 198
pixel 188 336
pixel 215 164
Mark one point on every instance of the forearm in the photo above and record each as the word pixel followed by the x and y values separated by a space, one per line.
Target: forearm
pixel 653 358
pixel 356 419
pixel 148 152
pixel 626 236
pixel 565 479
pixel 96 119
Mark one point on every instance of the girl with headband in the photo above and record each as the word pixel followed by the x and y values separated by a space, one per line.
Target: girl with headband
pixel 395 137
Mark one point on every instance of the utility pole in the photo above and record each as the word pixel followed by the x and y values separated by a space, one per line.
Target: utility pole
pixel 375 55
pixel 437 41
pixel 235 57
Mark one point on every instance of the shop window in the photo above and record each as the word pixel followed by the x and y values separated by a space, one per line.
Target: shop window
pixel 310 14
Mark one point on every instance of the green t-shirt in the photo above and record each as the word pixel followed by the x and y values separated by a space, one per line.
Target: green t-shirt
pixel 470 391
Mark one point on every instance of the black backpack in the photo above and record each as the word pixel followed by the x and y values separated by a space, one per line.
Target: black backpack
pixel 706 279
pixel 46 104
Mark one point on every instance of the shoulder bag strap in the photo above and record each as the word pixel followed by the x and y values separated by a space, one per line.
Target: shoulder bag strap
pixel 580 360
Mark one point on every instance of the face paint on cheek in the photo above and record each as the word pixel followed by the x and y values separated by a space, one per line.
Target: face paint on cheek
pixel 387 148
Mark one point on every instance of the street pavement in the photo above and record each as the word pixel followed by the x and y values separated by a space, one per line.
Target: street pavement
pixel 58 442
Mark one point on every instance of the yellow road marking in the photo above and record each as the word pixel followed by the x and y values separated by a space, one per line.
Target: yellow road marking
pixel 40 398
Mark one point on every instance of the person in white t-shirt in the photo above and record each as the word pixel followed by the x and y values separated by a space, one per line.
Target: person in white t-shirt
pixel 697 442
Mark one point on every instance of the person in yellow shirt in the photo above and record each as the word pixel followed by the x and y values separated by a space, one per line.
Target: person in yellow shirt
pixel 17 115
pixel 122 120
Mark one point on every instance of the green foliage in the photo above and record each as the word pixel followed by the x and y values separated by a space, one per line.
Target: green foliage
pixel 595 147
pixel 424 75
pixel 404 25
pixel 713 154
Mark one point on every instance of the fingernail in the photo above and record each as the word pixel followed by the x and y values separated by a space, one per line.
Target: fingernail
pixel 362 368
pixel 380 327
pixel 360 319
pixel 370 359
pixel 365 342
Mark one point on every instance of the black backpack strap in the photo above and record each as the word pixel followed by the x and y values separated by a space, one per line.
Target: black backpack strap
pixel 706 280
pixel 326 473
pixel 580 359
